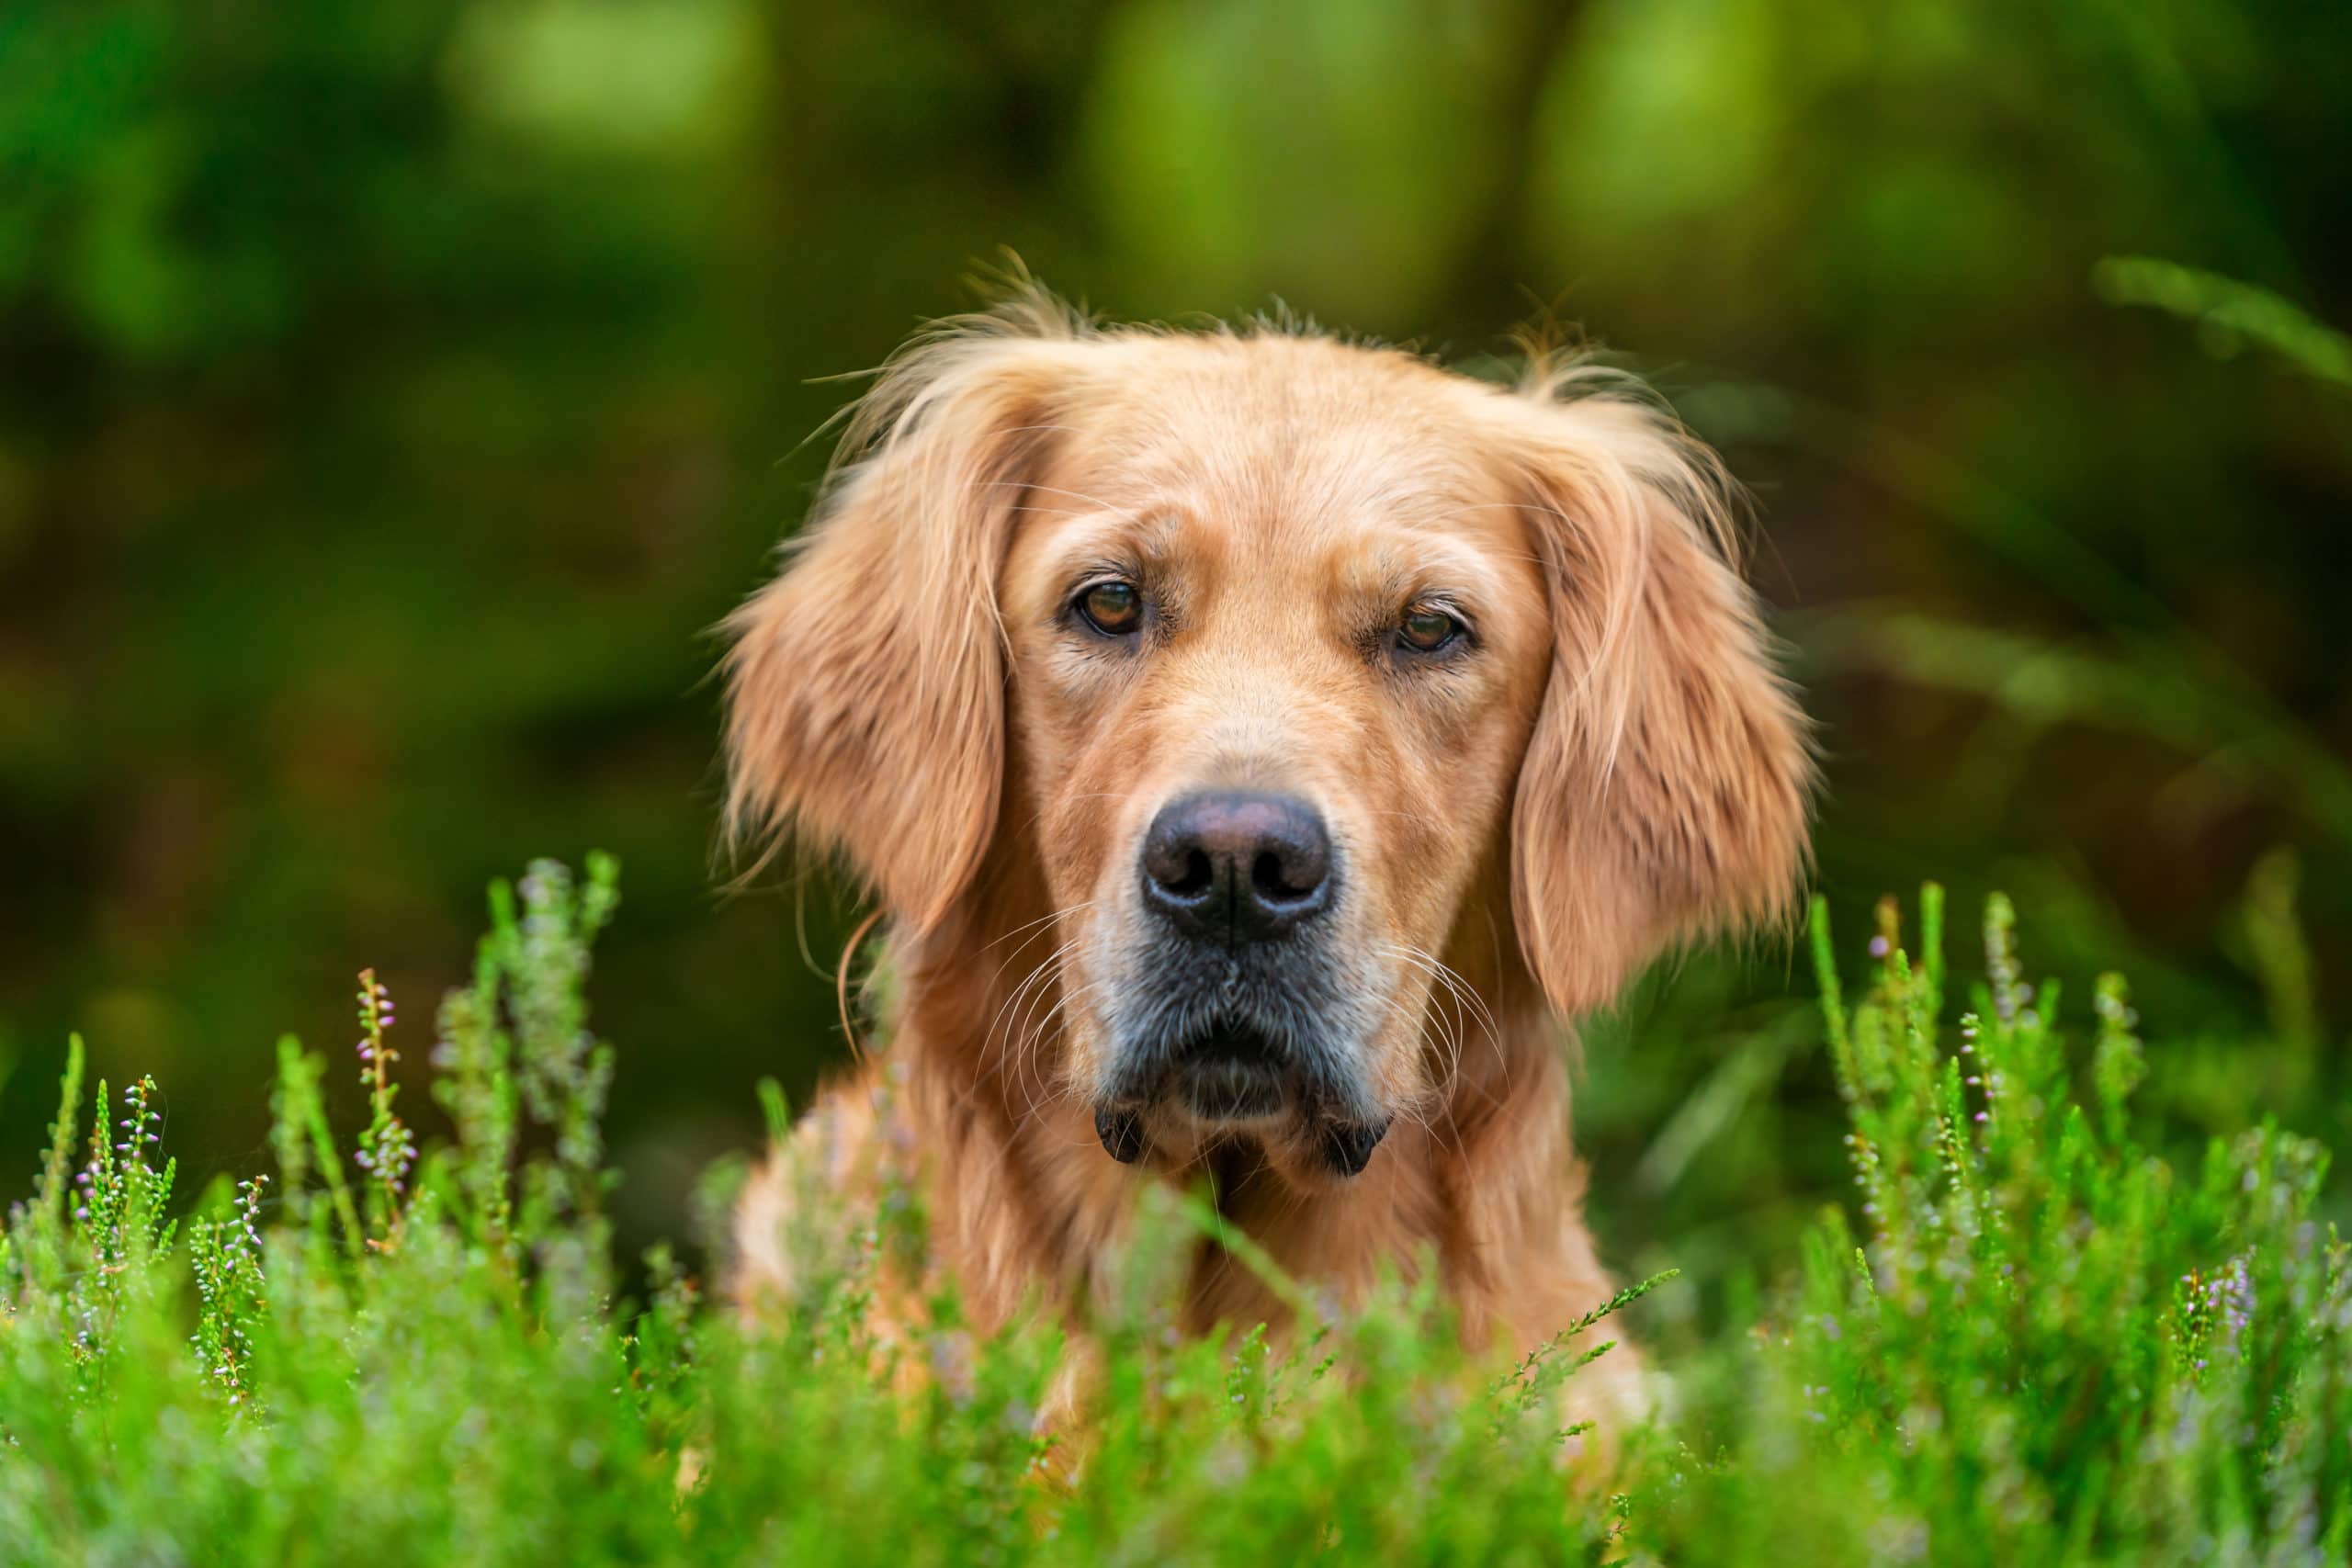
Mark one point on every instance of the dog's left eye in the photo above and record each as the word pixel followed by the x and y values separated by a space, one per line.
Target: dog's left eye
pixel 1113 608
pixel 1426 629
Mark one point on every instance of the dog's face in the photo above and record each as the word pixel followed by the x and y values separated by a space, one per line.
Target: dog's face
pixel 1298 656
pixel 1276 651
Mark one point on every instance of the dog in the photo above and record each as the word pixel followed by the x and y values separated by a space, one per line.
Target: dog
pixel 1264 747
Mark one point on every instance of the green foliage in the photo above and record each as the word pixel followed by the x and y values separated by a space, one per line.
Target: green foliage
pixel 2229 313
pixel 2045 1345
pixel 2034 1341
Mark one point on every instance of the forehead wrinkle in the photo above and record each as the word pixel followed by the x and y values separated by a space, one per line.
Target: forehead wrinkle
pixel 1096 503
pixel 1394 562
pixel 1276 441
pixel 1245 412
pixel 1098 535
pixel 1351 458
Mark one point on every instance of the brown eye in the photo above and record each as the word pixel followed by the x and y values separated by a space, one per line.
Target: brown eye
pixel 1114 609
pixel 1426 630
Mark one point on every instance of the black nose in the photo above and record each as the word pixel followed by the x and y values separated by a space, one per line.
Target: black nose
pixel 1234 867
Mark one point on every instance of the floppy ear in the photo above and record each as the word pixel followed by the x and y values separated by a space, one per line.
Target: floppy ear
pixel 865 684
pixel 1667 783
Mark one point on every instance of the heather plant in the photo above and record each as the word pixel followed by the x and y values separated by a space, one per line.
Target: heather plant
pixel 2032 1337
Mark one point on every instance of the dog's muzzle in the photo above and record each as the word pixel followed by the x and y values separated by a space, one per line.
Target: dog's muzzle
pixel 1231 994
pixel 1235 1073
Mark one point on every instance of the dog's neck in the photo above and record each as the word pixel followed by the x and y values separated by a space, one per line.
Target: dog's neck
pixel 1476 1177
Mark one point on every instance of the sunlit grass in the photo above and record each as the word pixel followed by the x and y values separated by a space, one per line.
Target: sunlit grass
pixel 2027 1339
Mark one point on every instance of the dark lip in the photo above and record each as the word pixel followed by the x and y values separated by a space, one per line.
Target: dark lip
pixel 1231 1071
pixel 1227 1039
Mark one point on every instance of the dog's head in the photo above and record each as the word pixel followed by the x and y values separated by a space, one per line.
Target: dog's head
pixel 1285 661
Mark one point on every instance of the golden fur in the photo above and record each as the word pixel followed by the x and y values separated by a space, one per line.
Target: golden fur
pixel 1616 770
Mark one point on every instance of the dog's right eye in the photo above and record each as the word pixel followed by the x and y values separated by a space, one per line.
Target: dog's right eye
pixel 1114 609
pixel 1428 630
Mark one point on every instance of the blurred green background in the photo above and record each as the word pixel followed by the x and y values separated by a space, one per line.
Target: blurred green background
pixel 394 394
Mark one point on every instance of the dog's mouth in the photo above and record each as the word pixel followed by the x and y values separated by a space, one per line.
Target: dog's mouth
pixel 1232 1071
pixel 1232 1075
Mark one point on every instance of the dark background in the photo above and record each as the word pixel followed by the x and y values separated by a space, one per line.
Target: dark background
pixel 392 394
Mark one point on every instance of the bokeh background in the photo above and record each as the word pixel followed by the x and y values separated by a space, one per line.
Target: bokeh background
pixel 391 394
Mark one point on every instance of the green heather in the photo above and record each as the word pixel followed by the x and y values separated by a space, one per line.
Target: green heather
pixel 2027 1337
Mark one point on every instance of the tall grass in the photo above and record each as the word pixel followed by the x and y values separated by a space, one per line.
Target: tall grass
pixel 2027 1340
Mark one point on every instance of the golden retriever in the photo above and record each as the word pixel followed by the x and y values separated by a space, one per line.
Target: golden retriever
pixel 1262 745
